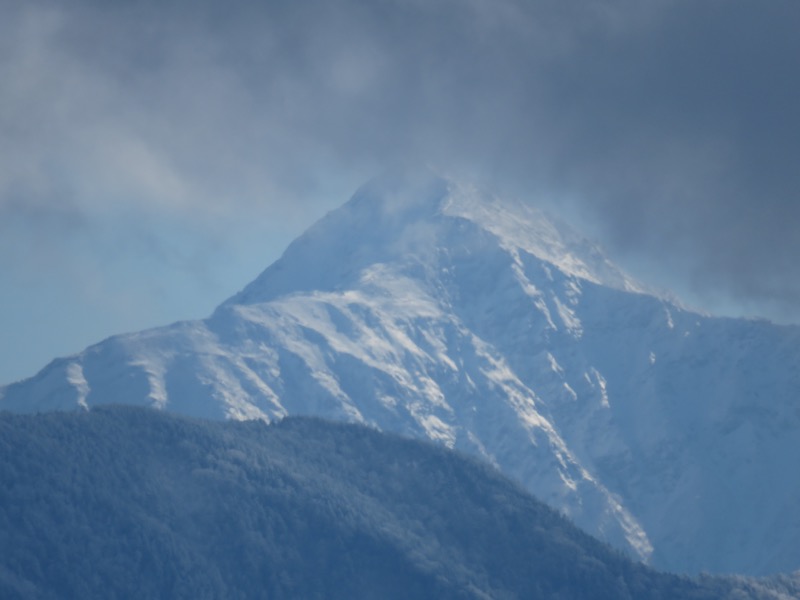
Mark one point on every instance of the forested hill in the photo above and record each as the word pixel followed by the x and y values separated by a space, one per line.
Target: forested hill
pixel 122 502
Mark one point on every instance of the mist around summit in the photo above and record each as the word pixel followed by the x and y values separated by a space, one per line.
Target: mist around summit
pixel 157 155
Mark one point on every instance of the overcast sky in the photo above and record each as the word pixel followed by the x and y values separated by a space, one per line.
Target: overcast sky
pixel 156 156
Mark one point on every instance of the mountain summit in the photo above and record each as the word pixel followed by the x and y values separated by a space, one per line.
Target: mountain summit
pixel 434 309
pixel 410 217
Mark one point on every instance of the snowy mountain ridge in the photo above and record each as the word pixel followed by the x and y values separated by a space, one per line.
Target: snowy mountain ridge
pixel 396 217
pixel 431 308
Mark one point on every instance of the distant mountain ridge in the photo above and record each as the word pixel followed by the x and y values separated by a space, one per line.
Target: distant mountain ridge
pixel 431 308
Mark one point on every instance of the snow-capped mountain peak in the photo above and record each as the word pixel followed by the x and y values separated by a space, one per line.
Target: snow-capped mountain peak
pixel 432 308
pixel 412 215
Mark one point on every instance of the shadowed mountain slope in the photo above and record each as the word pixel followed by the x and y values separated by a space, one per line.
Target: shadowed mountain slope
pixel 128 502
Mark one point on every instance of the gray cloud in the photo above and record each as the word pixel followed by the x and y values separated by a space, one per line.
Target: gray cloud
pixel 669 126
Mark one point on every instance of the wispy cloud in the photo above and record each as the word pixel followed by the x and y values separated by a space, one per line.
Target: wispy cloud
pixel 671 125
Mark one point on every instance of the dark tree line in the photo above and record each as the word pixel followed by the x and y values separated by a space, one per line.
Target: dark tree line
pixel 123 502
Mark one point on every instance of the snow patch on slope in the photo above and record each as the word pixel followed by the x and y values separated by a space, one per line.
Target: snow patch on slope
pixel 76 379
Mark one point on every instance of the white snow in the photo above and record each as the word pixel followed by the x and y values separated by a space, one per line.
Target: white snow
pixel 435 309
pixel 76 379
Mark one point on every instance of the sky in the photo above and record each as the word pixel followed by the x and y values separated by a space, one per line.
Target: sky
pixel 156 156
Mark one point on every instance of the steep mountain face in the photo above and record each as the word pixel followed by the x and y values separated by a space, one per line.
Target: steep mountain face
pixel 433 309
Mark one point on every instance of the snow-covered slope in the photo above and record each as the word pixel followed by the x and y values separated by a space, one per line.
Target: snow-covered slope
pixel 431 308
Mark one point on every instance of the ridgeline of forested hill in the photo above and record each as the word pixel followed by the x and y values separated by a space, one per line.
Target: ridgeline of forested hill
pixel 127 502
